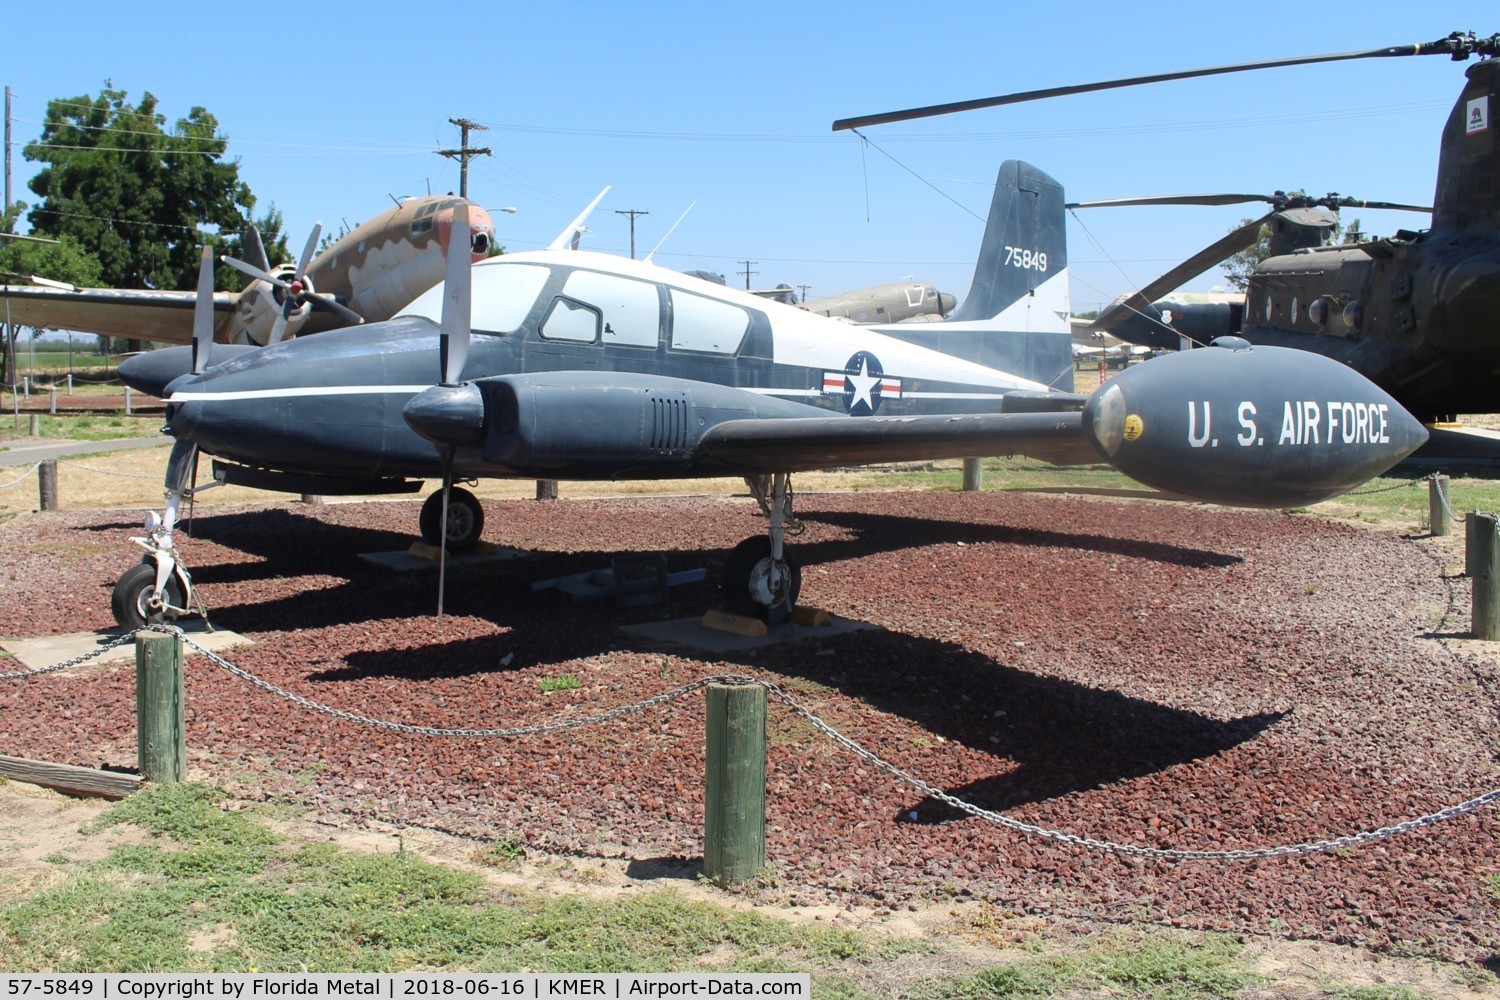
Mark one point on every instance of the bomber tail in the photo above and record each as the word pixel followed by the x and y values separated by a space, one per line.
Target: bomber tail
pixel 1015 316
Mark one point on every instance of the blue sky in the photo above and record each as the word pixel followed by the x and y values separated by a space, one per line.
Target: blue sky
pixel 333 108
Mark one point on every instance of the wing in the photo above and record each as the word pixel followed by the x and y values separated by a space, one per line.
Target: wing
pixel 165 316
pixel 800 444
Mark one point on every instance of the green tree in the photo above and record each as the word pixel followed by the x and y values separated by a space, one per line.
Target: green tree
pixel 141 198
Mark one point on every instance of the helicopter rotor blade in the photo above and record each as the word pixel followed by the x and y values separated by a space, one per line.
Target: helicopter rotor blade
pixel 1233 243
pixel 1456 45
pixel 1336 202
pixel 1173 199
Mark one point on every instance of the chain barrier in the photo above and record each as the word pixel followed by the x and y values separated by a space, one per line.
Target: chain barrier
pixel 1440 484
pixel 106 472
pixel 75 661
pixel 1391 487
pixel 869 756
pixel 23 477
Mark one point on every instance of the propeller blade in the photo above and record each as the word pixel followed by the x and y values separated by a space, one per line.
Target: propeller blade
pixel 279 329
pixel 203 312
pixel 328 304
pixel 253 271
pixel 453 348
pixel 1195 265
pixel 1174 199
pixel 255 249
pixel 1446 46
pixel 309 250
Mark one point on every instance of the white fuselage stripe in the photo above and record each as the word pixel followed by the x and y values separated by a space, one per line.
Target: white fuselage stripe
pixel 310 390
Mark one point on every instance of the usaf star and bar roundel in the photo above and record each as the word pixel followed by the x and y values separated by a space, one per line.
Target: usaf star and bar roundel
pixel 863 385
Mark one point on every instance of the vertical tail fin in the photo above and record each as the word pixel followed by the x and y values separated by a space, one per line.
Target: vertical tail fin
pixel 1023 260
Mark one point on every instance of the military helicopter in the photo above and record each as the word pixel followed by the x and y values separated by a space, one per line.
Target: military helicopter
pixel 1414 313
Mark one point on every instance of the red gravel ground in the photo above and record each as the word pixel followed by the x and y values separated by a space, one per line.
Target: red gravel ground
pixel 1156 674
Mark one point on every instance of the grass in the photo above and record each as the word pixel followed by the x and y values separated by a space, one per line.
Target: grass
pixel 562 682
pixel 214 889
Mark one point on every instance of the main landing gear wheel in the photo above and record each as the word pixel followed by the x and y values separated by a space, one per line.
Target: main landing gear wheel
pixel 133 603
pixel 750 586
pixel 465 519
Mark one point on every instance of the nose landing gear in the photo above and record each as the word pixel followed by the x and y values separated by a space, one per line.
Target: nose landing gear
pixel 761 577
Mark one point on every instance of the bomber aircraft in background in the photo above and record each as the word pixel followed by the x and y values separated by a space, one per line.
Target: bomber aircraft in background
pixel 366 276
pixel 893 302
pixel 569 364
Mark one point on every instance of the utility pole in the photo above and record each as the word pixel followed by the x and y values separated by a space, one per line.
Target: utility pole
pixel 747 272
pixel 803 289
pixel 6 206
pixel 632 212
pixel 464 153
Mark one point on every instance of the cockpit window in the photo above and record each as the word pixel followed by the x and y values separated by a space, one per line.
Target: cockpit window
pixel 502 297
pixel 569 319
pixel 700 323
pixel 631 309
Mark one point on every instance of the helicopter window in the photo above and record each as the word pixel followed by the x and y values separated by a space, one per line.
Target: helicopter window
pixel 500 299
pixel 703 324
pixel 569 319
pixel 1294 309
pixel 631 309
pixel 1269 307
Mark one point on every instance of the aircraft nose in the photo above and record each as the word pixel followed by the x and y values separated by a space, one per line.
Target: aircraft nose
pixel 481 231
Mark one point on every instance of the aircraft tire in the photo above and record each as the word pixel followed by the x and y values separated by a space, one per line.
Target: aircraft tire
pixel 130 600
pixel 744 572
pixel 465 520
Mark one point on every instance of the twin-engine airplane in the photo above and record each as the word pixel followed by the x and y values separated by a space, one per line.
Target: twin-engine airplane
pixel 367 276
pixel 564 364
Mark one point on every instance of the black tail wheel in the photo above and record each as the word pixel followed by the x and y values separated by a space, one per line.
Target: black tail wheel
pixel 749 587
pixel 465 520
pixel 133 603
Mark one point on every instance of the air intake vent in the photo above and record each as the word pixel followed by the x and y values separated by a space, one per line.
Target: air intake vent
pixel 669 423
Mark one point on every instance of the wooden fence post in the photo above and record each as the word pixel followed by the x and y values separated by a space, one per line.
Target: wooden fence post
pixel 1437 506
pixel 546 489
pixel 46 480
pixel 161 752
pixel 1482 551
pixel 734 794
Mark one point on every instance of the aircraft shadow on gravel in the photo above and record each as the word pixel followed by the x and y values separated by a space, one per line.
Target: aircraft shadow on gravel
pixel 1055 736
pixel 290 543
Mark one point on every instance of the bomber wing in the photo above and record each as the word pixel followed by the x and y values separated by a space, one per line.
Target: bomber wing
pixel 138 314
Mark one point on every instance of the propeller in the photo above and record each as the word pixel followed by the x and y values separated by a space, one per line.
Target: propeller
pixel 296 293
pixel 203 312
pixel 453 351
pixel 1459 45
